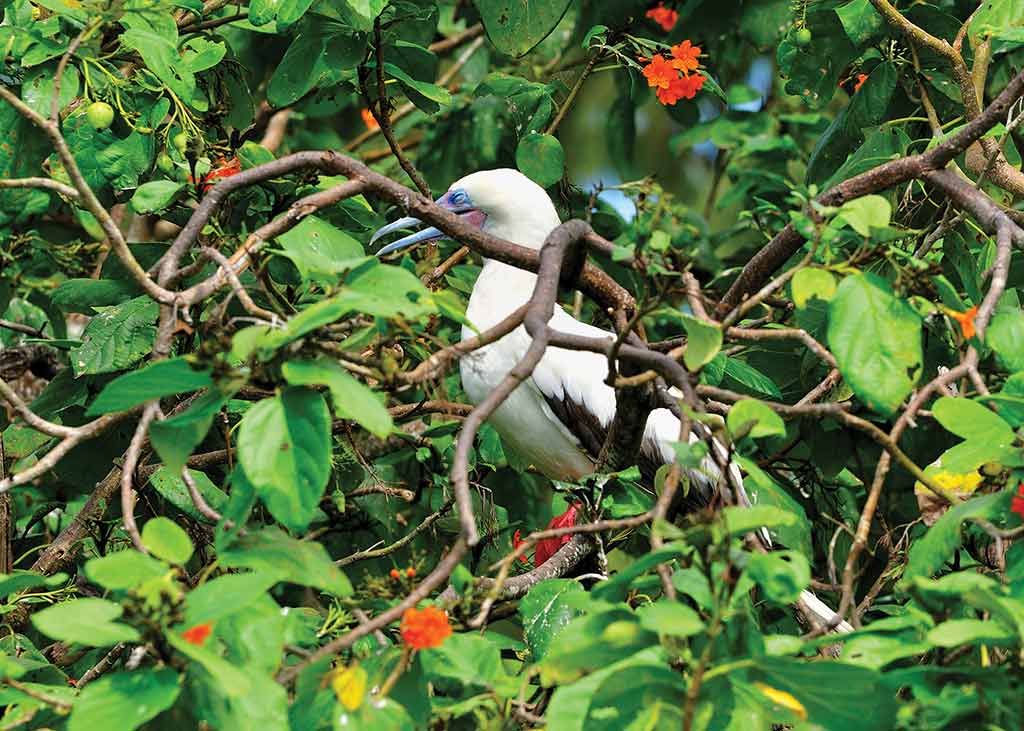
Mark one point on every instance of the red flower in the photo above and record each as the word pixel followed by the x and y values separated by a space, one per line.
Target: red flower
pixel 684 87
pixel 966 320
pixel 861 78
pixel 659 72
pixel 517 541
pixel 549 546
pixel 197 635
pixel 665 17
pixel 368 119
pixel 394 574
pixel 1017 504
pixel 685 57
pixel 226 168
pixel 424 628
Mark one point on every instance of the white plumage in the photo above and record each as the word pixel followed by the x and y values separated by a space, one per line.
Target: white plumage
pixel 510 206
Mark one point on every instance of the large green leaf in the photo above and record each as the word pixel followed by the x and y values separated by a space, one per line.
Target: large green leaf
pixel 116 338
pixel 540 158
pixel 876 338
pixel 176 437
pixel 515 27
pixel 284 446
pixel 929 553
pixel 172 487
pixel 316 58
pixel 124 569
pixel 319 250
pixel 124 701
pixel 272 553
pixel 167 540
pixel 163 378
pixel 351 399
pixel 546 610
pixel 86 621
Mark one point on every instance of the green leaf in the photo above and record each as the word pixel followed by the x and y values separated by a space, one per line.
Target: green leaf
pixel 424 94
pixel 116 338
pixel 166 539
pixel 929 553
pixel 206 602
pixel 88 622
pixel 865 213
pixel 262 12
pixel 668 617
pixel 176 437
pixel 956 632
pixel 703 341
pixel 362 13
pixel 1005 335
pixel 351 399
pixel 546 610
pixel 466 657
pixel 155 195
pixel 273 553
pixel 232 681
pixel 783 575
pixel 124 701
pixel 172 488
pixel 156 380
pixel 124 569
pixel 540 158
pixel 860 21
pixel 316 58
pixel 812 283
pixel 284 446
pixel 754 418
pixel 876 339
pixel 516 27
pixel 972 421
pixel 832 693
pixel 318 248
pixel 739 520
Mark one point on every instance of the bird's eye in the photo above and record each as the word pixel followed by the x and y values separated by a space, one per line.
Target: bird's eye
pixel 458 198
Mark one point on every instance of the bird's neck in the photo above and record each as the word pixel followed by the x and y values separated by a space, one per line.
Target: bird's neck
pixel 501 289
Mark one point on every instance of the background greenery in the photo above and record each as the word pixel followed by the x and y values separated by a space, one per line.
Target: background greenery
pixel 321 458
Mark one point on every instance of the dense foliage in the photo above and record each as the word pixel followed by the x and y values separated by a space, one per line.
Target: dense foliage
pixel 228 500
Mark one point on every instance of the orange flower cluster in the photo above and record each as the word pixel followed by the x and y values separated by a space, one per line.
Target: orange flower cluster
pixel 966 320
pixel 1017 504
pixel 396 574
pixel 665 17
pixel 678 77
pixel 197 635
pixel 425 628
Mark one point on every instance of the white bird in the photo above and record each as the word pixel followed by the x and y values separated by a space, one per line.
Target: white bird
pixel 558 418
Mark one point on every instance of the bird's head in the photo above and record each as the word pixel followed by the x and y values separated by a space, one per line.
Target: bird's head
pixel 503 202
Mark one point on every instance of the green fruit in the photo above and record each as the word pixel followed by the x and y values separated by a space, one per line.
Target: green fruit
pixel 165 163
pixel 100 115
pixel 803 37
pixel 620 633
pixel 180 142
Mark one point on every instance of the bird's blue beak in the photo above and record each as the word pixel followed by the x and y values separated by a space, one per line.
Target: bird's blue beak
pixel 466 212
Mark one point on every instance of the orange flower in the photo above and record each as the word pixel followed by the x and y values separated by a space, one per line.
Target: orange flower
pixel 659 72
pixel 683 87
pixel 966 320
pixel 197 635
pixel 394 574
pixel 685 57
pixel 410 572
pixel 368 119
pixel 517 541
pixel 424 628
pixel 861 78
pixel 665 17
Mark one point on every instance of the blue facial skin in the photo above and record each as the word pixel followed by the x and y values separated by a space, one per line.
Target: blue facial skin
pixel 456 201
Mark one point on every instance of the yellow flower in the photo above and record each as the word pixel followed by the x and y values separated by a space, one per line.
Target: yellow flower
pixel 784 699
pixel 349 685
pixel 961 484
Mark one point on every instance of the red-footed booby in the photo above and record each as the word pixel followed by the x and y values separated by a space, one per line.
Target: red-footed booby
pixel 558 418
